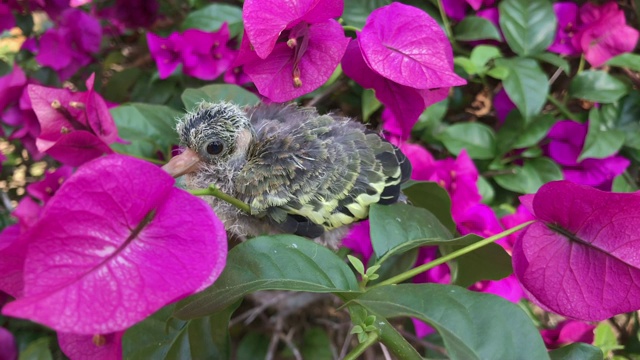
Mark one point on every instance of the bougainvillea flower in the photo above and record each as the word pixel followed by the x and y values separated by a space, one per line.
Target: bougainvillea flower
pixel 94 347
pixel 44 189
pixel 502 105
pixel 358 239
pixel 460 178
pixel 130 14
pixel 508 288
pixel 115 244
pixel 405 103
pixel 166 52
pixel 478 219
pixel 567 14
pixel 13 246
pixel 291 48
pixel 566 142
pixel 7 21
pixel 236 75
pixel 264 22
pixel 568 332
pixel 405 84
pixel 580 258
pixel 12 253
pixel 69 46
pixel 457 9
pixel 11 87
pixel 8 345
pixel 604 33
pixel 407 46
pixel 75 126
pixel 297 67
pixel 521 216
pixel 205 54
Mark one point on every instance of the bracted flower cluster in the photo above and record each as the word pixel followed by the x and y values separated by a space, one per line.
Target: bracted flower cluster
pixel 405 57
pixel 69 46
pixel 203 55
pixel 600 32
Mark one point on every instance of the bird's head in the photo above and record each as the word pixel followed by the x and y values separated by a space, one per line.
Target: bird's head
pixel 213 134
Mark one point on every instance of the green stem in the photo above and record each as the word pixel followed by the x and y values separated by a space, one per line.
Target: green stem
pixel 351 28
pixel 441 260
pixel 212 190
pixel 563 109
pixel 445 21
pixel 581 64
pixel 353 354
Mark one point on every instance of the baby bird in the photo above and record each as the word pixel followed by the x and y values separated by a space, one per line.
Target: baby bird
pixel 300 172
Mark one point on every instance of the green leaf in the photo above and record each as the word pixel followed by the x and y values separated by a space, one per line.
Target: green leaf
pixel 498 72
pixel 472 325
pixel 430 121
pixel 602 140
pixel 528 26
pixel 628 60
pixel 253 346
pixel 118 89
pixel 516 133
pixel 605 339
pixel 400 227
pixel 623 183
pixel 486 190
pixel 466 64
pixel 369 104
pixel 478 139
pixel 556 60
pixel 597 86
pixel 577 351
pixel 5 68
pixel 528 178
pixel 624 115
pixel 211 17
pixel 278 262
pixel 489 262
pixel 433 197
pixel 218 92
pixel 161 336
pixel 476 28
pixel 527 85
pixel 389 336
pixel 148 128
pixel 356 12
pixel 37 350
pixel 395 265
pixel 316 345
pixel 482 54
pixel 357 264
pixel 25 22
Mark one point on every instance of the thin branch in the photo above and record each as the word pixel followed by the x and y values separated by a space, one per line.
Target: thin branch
pixel 213 190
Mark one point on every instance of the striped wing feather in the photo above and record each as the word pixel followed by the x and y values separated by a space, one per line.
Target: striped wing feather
pixel 323 169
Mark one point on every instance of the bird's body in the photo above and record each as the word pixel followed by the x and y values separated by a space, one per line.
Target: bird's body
pixel 299 171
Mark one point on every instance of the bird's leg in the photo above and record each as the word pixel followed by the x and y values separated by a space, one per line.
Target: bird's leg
pixel 213 190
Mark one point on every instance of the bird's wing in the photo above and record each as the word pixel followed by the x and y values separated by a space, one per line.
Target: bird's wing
pixel 320 168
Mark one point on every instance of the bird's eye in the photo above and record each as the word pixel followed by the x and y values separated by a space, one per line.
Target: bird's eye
pixel 215 147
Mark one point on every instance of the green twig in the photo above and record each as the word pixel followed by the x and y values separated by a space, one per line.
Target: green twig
pixel 358 350
pixel 351 28
pixel 563 109
pixel 581 64
pixel 213 190
pixel 445 21
pixel 441 260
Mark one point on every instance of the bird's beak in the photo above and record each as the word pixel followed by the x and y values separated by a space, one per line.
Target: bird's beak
pixel 187 162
